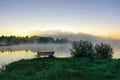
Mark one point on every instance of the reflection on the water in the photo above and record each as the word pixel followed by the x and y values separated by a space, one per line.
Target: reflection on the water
pixel 116 53
pixel 36 47
pixel 9 54
pixel 13 53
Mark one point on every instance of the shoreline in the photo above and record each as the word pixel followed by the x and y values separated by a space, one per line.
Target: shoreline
pixel 62 69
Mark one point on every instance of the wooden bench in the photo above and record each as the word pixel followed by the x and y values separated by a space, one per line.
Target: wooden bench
pixel 45 53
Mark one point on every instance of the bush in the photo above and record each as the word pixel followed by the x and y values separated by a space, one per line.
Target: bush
pixel 81 48
pixel 103 50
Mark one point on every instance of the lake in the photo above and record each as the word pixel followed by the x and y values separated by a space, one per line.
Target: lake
pixel 13 53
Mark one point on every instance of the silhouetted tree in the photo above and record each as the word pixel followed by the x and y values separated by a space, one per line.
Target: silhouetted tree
pixel 103 50
pixel 82 49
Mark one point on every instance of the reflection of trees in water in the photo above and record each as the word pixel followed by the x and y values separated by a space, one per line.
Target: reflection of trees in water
pixel 36 47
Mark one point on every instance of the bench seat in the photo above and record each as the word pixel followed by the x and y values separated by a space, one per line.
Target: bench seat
pixel 45 53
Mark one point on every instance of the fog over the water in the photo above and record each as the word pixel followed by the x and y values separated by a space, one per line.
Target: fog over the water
pixel 81 36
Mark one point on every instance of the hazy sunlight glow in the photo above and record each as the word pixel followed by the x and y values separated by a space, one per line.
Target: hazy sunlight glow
pixel 29 17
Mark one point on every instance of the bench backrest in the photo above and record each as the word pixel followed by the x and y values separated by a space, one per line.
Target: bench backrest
pixel 45 53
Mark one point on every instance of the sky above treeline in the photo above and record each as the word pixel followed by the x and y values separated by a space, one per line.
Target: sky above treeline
pixel 32 17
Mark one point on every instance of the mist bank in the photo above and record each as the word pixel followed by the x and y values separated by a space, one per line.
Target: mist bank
pixel 57 37
pixel 81 36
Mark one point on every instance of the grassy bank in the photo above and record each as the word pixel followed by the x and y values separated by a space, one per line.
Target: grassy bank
pixel 62 69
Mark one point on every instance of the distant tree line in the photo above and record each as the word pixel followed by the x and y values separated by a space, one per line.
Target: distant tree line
pixel 10 40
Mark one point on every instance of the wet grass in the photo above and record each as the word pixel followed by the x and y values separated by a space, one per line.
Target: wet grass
pixel 62 69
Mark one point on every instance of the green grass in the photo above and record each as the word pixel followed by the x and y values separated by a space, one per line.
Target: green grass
pixel 62 69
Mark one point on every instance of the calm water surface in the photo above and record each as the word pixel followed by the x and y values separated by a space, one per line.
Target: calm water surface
pixel 10 54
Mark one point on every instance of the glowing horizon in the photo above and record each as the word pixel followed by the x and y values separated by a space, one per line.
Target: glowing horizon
pixel 115 36
pixel 28 17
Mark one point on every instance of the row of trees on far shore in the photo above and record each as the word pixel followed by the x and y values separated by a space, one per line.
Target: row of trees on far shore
pixel 86 49
pixel 6 40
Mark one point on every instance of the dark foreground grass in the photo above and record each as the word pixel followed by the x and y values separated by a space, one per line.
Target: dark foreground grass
pixel 62 69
